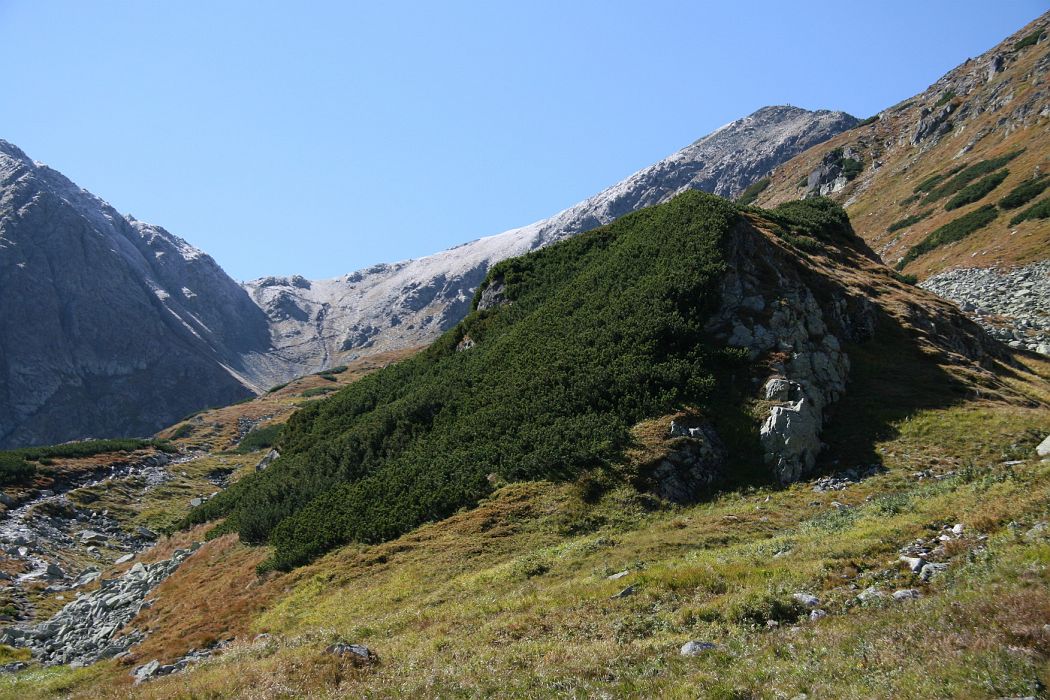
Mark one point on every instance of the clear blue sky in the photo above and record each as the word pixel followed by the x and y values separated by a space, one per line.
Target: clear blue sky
pixel 321 137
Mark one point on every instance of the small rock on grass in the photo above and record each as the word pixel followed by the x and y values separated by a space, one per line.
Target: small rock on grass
pixel 906 594
pixel 869 594
pixel 625 592
pixel 810 601
pixel 618 575
pixel 695 648
pixel 357 652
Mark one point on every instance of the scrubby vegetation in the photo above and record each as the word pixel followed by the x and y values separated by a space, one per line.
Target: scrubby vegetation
pixel 1025 192
pixel 260 438
pixel 851 167
pixel 1030 40
pixel 1039 210
pixel 89 448
pixel 317 391
pixel 605 329
pixel 970 173
pixel 908 221
pixel 930 182
pixel 14 469
pixel 976 191
pixel 952 231
pixel 749 195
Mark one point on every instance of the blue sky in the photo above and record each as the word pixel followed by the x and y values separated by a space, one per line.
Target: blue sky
pixel 320 137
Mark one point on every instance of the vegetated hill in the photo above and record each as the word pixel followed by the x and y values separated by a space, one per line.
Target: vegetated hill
pixel 324 322
pixel 740 319
pixel 610 583
pixel 108 326
pixel 952 177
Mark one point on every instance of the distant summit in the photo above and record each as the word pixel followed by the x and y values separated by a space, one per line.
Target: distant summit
pixel 320 323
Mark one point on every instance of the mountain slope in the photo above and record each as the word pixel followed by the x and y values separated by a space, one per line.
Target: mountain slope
pixel 319 323
pixel 572 345
pixel 963 144
pixel 108 326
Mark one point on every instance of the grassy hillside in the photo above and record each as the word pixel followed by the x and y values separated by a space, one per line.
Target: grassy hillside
pixel 513 599
pixel 974 141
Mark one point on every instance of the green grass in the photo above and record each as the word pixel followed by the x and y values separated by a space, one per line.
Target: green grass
pixel 954 230
pixel 749 195
pixel 908 221
pixel 976 191
pixel 1025 192
pixel 1039 210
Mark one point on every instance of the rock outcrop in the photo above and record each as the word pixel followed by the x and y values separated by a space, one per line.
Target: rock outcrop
pixel 92 626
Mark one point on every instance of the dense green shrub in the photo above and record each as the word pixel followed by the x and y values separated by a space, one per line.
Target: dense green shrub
pixel 977 191
pixel 909 200
pixel 908 221
pixel 1025 192
pixel 14 469
pixel 1039 210
pixel 851 167
pixel 183 431
pixel 952 231
pixel 945 98
pixel 929 183
pixel 970 173
pixel 751 193
pixel 604 329
pixel 260 438
pixel 89 448
pixel 1030 40
pixel 869 120
pixel 277 387
pixel 318 391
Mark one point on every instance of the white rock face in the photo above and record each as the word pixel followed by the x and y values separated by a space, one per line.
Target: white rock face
pixel 315 324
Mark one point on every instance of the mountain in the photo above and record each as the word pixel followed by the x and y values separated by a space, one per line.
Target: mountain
pixel 108 326
pixel 953 185
pixel 320 323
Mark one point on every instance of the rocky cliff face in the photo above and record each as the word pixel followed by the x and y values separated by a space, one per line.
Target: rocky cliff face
pixel 108 326
pixel 319 323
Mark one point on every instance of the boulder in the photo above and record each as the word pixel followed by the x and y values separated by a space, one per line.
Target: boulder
pixel 810 601
pixel 695 648
pixel 1043 449
pixel 356 652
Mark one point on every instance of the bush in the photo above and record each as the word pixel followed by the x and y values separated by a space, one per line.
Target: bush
pixel 1030 40
pixel 1025 192
pixel 260 438
pixel 869 120
pixel 1040 210
pixel 851 167
pixel 14 469
pixel 90 448
pixel 952 231
pixel 908 221
pixel 945 98
pixel 970 173
pixel 605 329
pixel 318 391
pixel 751 193
pixel 977 191
pixel 277 387
pixel 929 183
